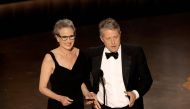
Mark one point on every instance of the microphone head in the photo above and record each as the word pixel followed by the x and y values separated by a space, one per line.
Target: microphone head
pixel 101 74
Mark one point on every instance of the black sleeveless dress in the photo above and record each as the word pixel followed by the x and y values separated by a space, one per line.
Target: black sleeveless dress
pixel 68 82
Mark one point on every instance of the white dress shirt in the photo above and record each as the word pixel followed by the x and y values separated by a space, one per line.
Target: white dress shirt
pixel 114 85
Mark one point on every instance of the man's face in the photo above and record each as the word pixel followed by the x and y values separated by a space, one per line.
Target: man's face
pixel 111 39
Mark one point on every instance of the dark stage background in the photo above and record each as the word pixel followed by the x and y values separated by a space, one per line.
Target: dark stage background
pixel 161 27
pixel 18 17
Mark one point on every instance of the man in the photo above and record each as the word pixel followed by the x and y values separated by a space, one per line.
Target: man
pixel 120 74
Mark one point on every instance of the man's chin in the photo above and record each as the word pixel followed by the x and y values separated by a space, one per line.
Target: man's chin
pixel 114 50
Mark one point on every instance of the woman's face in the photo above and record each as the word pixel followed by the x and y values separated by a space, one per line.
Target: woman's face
pixel 66 38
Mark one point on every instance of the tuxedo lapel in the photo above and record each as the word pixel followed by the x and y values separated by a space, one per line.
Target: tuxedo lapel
pixel 126 62
pixel 96 64
pixel 97 59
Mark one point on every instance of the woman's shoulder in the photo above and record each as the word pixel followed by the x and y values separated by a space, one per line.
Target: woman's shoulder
pixel 50 54
pixel 53 50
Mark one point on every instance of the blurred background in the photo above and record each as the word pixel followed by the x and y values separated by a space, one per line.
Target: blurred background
pixel 161 27
pixel 19 17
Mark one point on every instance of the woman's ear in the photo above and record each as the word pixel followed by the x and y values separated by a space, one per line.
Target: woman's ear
pixel 56 37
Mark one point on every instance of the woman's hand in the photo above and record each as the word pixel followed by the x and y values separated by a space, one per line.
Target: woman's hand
pixel 65 100
pixel 96 104
pixel 89 98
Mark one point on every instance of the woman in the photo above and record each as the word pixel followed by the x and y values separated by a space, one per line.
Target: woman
pixel 66 68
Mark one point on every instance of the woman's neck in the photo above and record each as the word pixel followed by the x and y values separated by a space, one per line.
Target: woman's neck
pixel 64 51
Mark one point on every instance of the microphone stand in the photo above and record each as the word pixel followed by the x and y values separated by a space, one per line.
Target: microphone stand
pixel 103 84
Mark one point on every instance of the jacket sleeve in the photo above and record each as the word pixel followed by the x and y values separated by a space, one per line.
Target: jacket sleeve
pixel 145 78
pixel 88 68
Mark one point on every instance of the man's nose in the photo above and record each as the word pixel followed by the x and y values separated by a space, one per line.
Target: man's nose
pixel 112 41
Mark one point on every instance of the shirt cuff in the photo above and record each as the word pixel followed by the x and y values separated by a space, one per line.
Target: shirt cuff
pixel 136 93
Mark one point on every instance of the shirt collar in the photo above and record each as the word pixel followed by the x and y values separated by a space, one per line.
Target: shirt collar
pixel 107 51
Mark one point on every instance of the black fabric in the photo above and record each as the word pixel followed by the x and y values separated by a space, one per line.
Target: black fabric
pixel 107 107
pixel 68 82
pixel 136 74
pixel 114 54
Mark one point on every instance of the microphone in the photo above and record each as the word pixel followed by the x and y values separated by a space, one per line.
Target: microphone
pixel 101 74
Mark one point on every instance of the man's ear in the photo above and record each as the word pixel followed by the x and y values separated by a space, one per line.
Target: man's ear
pixel 101 39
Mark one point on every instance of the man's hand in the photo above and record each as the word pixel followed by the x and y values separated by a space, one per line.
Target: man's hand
pixel 132 97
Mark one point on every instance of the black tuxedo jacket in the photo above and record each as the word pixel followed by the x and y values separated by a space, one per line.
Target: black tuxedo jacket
pixel 136 74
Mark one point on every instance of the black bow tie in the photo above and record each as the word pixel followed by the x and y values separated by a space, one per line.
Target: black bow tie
pixel 114 54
